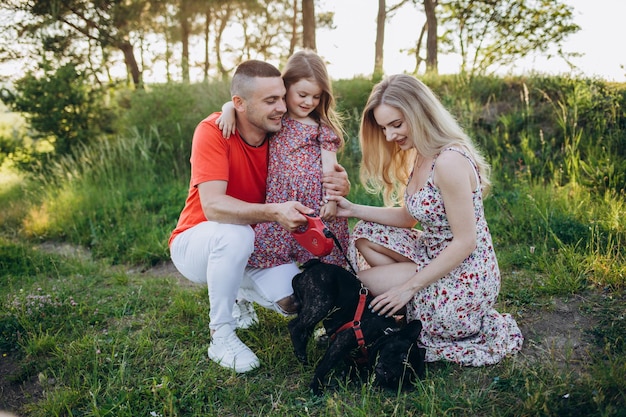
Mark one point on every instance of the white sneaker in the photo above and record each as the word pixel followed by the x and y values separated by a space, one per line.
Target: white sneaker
pixel 244 314
pixel 230 352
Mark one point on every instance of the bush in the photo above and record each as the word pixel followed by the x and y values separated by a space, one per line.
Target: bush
pixel 63 109
pixel 170 113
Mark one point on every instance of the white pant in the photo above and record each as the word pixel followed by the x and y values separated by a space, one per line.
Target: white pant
pixel 217 254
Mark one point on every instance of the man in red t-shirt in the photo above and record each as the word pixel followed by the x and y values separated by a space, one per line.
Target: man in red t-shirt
pixel 214 236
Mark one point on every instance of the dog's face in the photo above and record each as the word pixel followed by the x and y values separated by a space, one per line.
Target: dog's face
pixel 397 359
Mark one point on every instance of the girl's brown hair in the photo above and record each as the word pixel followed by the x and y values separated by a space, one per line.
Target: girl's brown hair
pixel 308 65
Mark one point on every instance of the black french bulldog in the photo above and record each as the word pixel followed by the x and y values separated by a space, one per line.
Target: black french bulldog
pixel 332 294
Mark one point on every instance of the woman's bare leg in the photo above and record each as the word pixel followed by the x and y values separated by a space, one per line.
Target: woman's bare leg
pixel 377 255
pixel 381 278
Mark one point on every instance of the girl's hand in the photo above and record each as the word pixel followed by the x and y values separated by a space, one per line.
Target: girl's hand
pixel 392 301
pixel 226 126
pixel 344 206
pixel 328 211
pixel 227 122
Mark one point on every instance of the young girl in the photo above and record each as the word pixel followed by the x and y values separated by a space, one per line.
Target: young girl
pixel 304 148
pixel 446 274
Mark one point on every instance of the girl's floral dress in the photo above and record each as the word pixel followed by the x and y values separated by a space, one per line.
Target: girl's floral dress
pixel 295 174
pixel 457 312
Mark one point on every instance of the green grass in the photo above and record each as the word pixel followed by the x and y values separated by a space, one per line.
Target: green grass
pixel 101 341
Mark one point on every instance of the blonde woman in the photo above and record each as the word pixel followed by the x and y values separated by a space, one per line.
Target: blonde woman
pixel 446 274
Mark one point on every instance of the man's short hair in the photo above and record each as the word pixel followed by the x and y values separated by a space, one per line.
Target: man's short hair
pixel 241 84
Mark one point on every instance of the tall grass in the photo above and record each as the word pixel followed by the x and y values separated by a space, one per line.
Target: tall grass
pixel 121 197
pixel 116 197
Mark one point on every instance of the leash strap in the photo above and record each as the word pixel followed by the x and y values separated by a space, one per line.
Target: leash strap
pixel 360 308
pixel 330 234
pixel 356 323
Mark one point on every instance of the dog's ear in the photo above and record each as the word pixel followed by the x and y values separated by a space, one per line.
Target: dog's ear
pixel 311 262
pixel 412 330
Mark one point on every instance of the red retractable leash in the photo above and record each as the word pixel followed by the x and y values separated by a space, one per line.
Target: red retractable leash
pixel 316 237
pixel 319 240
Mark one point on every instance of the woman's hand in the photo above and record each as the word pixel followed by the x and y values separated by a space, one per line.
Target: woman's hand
pixel 344 206
pixel 392 301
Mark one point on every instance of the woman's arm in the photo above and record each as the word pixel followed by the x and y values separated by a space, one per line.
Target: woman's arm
pixel 390 216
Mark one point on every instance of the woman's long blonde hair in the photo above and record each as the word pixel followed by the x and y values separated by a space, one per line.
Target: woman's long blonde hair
pixel 385 167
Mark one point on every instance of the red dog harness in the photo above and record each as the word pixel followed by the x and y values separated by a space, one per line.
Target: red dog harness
pixel 356 324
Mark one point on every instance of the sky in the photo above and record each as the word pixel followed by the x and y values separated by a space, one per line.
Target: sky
pixel 349 49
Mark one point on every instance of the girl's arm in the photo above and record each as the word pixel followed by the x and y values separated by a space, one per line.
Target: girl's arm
pixel 228 120
pixel 328 209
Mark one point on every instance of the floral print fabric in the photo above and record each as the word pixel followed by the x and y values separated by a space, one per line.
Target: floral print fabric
pixel 457 312
pixel 295 174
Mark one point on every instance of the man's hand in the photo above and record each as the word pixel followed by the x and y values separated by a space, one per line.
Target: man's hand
pixel 291 214
pixel 336 182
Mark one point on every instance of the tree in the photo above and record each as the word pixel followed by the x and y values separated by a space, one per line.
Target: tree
pixel 384 13
pixel 221 17
pixel 106 23
pixel 431 37
pixel 97 33
pixel 294 29
pixel 308 25
pixel 206 30
pixel 381 18
pixel 311 20
pixel 497 32
pixel 185 14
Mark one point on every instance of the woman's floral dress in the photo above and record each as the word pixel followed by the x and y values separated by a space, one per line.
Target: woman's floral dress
pixel 457 312
pixel 295 174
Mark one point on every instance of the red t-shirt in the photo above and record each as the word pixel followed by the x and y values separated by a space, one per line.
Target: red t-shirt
pixel 244 167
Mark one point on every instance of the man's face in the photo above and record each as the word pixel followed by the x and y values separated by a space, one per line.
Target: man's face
pixel 266 106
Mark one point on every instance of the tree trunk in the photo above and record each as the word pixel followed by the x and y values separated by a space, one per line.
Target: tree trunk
pixel 380 40
pixel 308 24
pixel 184 38
pixel 168 48
pixel 207 26
pixel 183 20
pixel 431 39
pixel 218 44
pixel 418 49
pixel 294 29
pixel 131 63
